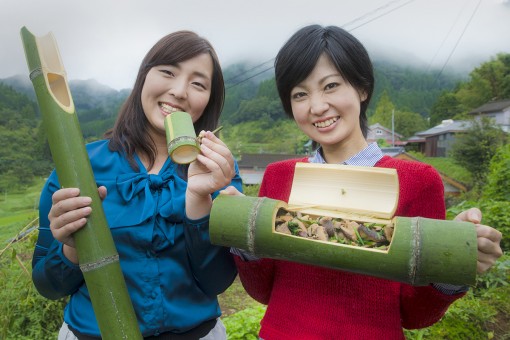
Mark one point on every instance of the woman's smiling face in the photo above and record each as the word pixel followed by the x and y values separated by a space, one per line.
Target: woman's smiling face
pixel 182 87
pixel 327 108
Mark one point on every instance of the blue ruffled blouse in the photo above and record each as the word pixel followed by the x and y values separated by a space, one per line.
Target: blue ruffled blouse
pixel 172 272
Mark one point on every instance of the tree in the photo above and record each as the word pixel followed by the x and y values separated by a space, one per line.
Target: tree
pixel 475 148
pixel 446 107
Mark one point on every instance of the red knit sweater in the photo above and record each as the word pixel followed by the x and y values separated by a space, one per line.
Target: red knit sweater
pixel 309 302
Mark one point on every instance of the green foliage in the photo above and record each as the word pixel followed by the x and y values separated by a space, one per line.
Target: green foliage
pixel 265 137
pixel 251 190
pixel 410 89
pixel 24 313
pixel 494 213
pixel 244 325
pixel 446 107
pixel 406 123
pixel 498 179
pixel 481 314
pixel 489 81
pixel 475 148
pixel 445 165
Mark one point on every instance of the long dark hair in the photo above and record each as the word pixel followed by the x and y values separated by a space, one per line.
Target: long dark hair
pixel 298 57
pixel 130 132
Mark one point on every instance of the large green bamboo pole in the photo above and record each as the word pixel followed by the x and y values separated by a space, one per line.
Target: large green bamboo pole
pixel 422 250
pixel 99 260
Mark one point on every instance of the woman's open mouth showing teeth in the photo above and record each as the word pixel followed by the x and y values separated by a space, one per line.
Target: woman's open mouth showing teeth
pixel 325 123
pixel 167 108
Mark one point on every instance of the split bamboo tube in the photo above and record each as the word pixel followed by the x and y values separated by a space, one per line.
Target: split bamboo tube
pixel 422 250
pixel 99 260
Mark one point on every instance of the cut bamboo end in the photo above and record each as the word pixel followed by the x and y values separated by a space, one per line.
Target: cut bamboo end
pixel 181 137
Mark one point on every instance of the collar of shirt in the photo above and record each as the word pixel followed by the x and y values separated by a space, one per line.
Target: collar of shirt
pixel 369 156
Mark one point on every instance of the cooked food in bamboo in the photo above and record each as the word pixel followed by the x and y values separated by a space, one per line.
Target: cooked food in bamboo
pixel 324 228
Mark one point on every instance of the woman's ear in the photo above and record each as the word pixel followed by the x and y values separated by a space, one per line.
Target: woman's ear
pixel 363 96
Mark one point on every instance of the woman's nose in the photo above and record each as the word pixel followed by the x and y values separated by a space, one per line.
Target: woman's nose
pixel 178 89
pixel 318 104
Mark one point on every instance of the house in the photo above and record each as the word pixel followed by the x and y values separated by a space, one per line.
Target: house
pixel 498 111
pixel 438 141
pixel 377 132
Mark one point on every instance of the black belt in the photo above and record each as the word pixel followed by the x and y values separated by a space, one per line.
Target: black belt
pixel 193 334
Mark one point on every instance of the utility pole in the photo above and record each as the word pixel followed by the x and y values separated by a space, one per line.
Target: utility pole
pixel 393 128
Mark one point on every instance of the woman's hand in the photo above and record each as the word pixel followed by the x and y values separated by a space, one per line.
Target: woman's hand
pixel 213 169
pixel 68 214
pixel 489 249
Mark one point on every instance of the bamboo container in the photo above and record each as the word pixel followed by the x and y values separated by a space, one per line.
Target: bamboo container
pixel 181 137
pixel 422 250
pixel 99 260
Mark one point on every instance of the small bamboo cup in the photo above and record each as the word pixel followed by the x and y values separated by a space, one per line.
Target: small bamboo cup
pixel 181 137
pixel 422 250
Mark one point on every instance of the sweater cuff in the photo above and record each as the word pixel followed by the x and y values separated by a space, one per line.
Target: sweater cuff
pixel 449 289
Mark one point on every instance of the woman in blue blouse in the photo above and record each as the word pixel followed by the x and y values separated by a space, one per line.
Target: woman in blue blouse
pixel 158 211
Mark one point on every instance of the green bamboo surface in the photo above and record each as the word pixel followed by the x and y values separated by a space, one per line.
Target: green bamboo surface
pixel 97 254
pixel 181 137
pixel 422 250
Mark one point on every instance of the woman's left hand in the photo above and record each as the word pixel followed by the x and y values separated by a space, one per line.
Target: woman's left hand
pixel 213 170
pixel 489 249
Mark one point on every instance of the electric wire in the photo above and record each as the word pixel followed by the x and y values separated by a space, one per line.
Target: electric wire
pixel 447 35
pixel 459 39
pixel 375 11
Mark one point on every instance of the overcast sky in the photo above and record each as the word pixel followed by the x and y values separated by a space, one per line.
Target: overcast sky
pixel 106 39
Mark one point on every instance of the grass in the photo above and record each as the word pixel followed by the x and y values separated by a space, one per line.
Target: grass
pixel 235 299
pixel 18 209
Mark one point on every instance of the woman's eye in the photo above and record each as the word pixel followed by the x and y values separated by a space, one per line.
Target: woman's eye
pixel 199 85
pixel 298 95
pixel 167 72
pixel 331 86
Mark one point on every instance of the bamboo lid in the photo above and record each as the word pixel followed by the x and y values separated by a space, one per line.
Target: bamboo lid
pixel 354 192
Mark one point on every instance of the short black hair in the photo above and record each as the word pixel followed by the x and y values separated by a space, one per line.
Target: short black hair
pixel 298 57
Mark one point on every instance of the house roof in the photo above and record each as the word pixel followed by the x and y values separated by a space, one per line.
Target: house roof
pixel 379 126
pixel 494 106
pixel 446 126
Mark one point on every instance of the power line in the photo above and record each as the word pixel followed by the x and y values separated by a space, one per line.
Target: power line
pixel 246 71
pixel 447 35
pixel 459 39
pixel 246 79
pixel 375 11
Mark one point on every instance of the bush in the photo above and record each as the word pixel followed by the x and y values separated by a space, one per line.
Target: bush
pixel 244 325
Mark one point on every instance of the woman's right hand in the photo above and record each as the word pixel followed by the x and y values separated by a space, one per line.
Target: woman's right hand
pixel 68 214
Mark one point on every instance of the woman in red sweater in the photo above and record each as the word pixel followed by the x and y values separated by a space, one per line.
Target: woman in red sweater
pixel 325 80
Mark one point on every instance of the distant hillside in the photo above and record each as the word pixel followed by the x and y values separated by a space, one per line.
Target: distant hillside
pixel 87 94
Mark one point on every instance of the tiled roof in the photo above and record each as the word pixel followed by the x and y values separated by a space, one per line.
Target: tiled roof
pixel 446 126
pixel 495 106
